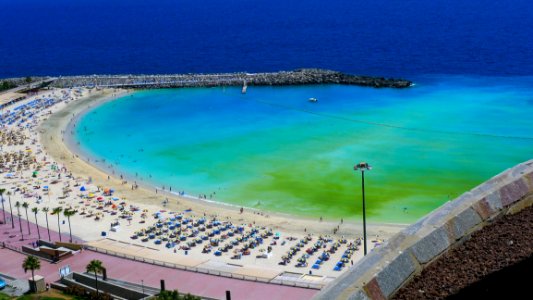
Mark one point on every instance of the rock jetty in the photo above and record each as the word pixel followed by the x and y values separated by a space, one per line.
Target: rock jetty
pixel 296 77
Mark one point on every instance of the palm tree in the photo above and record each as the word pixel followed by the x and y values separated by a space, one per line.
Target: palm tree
pixel 95 266
pixel 35 210
pixel 11 209
pixel 17 205
pixel 45 210
pixel 26 205
pixel 31 263
pixel 57 211
pixel 2 191
pixel 69 213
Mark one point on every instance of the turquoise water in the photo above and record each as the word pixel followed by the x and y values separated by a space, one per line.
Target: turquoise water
pixel 274 150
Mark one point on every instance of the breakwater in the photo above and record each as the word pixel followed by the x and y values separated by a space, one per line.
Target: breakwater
pixel 296 77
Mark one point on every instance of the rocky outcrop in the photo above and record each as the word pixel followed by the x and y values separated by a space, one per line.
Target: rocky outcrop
pixel 296 77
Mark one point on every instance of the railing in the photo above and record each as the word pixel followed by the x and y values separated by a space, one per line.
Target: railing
pixel 12 247
pixel 294 283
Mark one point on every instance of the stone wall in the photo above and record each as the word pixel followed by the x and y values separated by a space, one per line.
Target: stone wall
pixel 38 253
pixel 383 271
pixel 104 286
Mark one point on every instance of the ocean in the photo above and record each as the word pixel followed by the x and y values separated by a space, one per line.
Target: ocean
pixel 379 37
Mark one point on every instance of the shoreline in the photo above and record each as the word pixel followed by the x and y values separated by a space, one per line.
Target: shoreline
pixel 63 124
pixel 74 147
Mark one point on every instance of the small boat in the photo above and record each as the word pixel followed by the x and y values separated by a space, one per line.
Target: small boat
pixel 244 87
pixel 313 100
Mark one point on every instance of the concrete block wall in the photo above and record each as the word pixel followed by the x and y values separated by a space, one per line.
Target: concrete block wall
pixel 113 289
pixel 383 271
pixel 40 254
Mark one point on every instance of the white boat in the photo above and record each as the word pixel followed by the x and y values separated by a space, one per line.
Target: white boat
pixel 313 100
pixel 244 87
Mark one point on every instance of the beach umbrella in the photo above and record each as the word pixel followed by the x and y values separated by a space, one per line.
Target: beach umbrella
pixel 83 189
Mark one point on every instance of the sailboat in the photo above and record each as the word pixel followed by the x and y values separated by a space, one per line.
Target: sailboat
pixel 244 87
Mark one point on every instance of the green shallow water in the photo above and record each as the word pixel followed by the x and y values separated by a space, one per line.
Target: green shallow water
pixel 272 149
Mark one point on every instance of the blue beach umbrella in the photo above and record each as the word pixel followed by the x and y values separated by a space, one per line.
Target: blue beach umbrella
pixel 82 189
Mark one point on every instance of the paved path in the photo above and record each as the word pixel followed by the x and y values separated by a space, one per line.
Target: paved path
pixel 132 271
pixel 27 86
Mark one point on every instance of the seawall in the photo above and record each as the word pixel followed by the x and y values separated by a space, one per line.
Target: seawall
pixel 383 271
pixel 296 77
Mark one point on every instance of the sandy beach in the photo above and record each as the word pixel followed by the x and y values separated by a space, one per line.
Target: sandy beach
pixel 64 171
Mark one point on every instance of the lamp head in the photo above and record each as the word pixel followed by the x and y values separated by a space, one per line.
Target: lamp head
pixel 362 166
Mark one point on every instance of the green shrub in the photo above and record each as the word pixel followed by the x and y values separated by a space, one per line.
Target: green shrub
pixel 6 85
pixel 75 291
pixel 174 295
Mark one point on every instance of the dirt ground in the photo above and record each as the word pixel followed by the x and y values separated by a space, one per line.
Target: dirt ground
pixel 493 262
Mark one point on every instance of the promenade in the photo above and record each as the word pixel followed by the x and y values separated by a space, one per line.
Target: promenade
pixel 135 272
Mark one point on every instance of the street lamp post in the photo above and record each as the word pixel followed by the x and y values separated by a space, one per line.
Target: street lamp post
pixel 142 283
pixel 362 166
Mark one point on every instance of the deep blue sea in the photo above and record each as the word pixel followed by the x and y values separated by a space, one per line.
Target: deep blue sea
pixel 377 37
